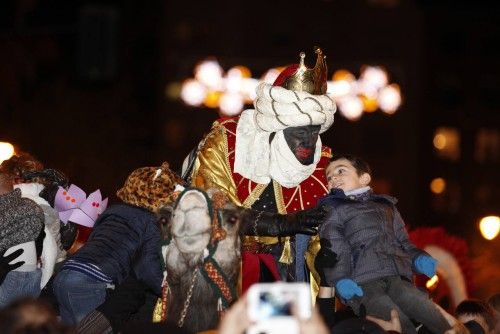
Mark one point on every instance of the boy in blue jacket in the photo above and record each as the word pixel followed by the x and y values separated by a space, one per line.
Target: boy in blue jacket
pixel 375 258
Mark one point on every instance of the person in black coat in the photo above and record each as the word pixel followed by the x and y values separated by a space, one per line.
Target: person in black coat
pixel 125 239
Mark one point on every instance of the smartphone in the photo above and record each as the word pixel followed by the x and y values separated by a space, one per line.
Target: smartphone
pixel 270 306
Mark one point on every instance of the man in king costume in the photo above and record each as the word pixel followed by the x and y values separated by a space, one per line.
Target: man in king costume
pixel 271 159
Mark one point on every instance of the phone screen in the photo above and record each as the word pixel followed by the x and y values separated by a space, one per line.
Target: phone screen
pixel 275 303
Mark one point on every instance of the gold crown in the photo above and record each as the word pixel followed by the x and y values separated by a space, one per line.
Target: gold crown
pixel 312 80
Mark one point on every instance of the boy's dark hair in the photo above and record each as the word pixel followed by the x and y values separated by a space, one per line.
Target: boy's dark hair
pixel 359 164
pixel 477 308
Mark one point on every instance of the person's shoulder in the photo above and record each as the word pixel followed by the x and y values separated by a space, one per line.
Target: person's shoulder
pixel 126 212
pixel 229 123
pixel 326 155
pixel 384 198
pixel 30 206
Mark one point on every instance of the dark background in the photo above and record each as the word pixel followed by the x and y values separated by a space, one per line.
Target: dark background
pixel 82 87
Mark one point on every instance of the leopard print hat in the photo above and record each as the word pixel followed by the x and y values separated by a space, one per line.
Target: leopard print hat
pixel 150 187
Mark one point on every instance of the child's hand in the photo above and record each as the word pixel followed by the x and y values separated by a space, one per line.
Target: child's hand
pixel 425 264
pixel 347 289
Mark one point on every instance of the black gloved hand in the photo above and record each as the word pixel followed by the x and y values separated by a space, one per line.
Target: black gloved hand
pixel 262 223
pixel 325 258
pixel 68 234
pixel 5 267
pixel 302 222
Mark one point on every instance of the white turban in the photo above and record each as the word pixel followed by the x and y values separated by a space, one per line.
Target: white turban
pixel 277 108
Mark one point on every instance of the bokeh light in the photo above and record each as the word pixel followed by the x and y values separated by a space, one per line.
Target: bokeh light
pixel 446 140
pixel 193 92
pixel 248 89
pixel 214 88
pixel 438 185
pixel 240 71
pixel 370 104
pixel 234 83
pixel 209 73
pixel 374 76
pixel 439 141
pixel 6 151
pixel 270 75
pixel 212 99
pixel 432 282
pixel 389 99
pixel 173 90
pixel 489 227
pixel 343 75
pixel 231 104
pixel 339 89
pixel 351 107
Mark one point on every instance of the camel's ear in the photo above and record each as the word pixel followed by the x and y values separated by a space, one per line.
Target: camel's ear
pixel 164 220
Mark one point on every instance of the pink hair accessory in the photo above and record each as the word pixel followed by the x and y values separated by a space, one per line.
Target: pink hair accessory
pixel 73 205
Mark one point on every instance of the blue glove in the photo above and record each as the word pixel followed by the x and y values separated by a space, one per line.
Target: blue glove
pixel 347 288
pixel 425 264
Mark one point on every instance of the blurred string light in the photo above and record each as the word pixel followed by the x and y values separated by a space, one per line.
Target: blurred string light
pixel 446 142
pixel 438 185
pixel 193 92
pixel 490 227
pixel 231 91
pixel 6 151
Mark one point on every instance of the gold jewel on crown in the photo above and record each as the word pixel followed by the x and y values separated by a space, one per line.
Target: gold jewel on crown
pixel 308 80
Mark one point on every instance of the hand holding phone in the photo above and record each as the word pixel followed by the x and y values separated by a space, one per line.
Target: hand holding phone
pixel 271 307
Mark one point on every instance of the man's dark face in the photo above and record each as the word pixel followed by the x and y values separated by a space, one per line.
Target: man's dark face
pixel 302 141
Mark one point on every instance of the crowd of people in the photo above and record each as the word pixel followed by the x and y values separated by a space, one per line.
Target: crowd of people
pixel 260 199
